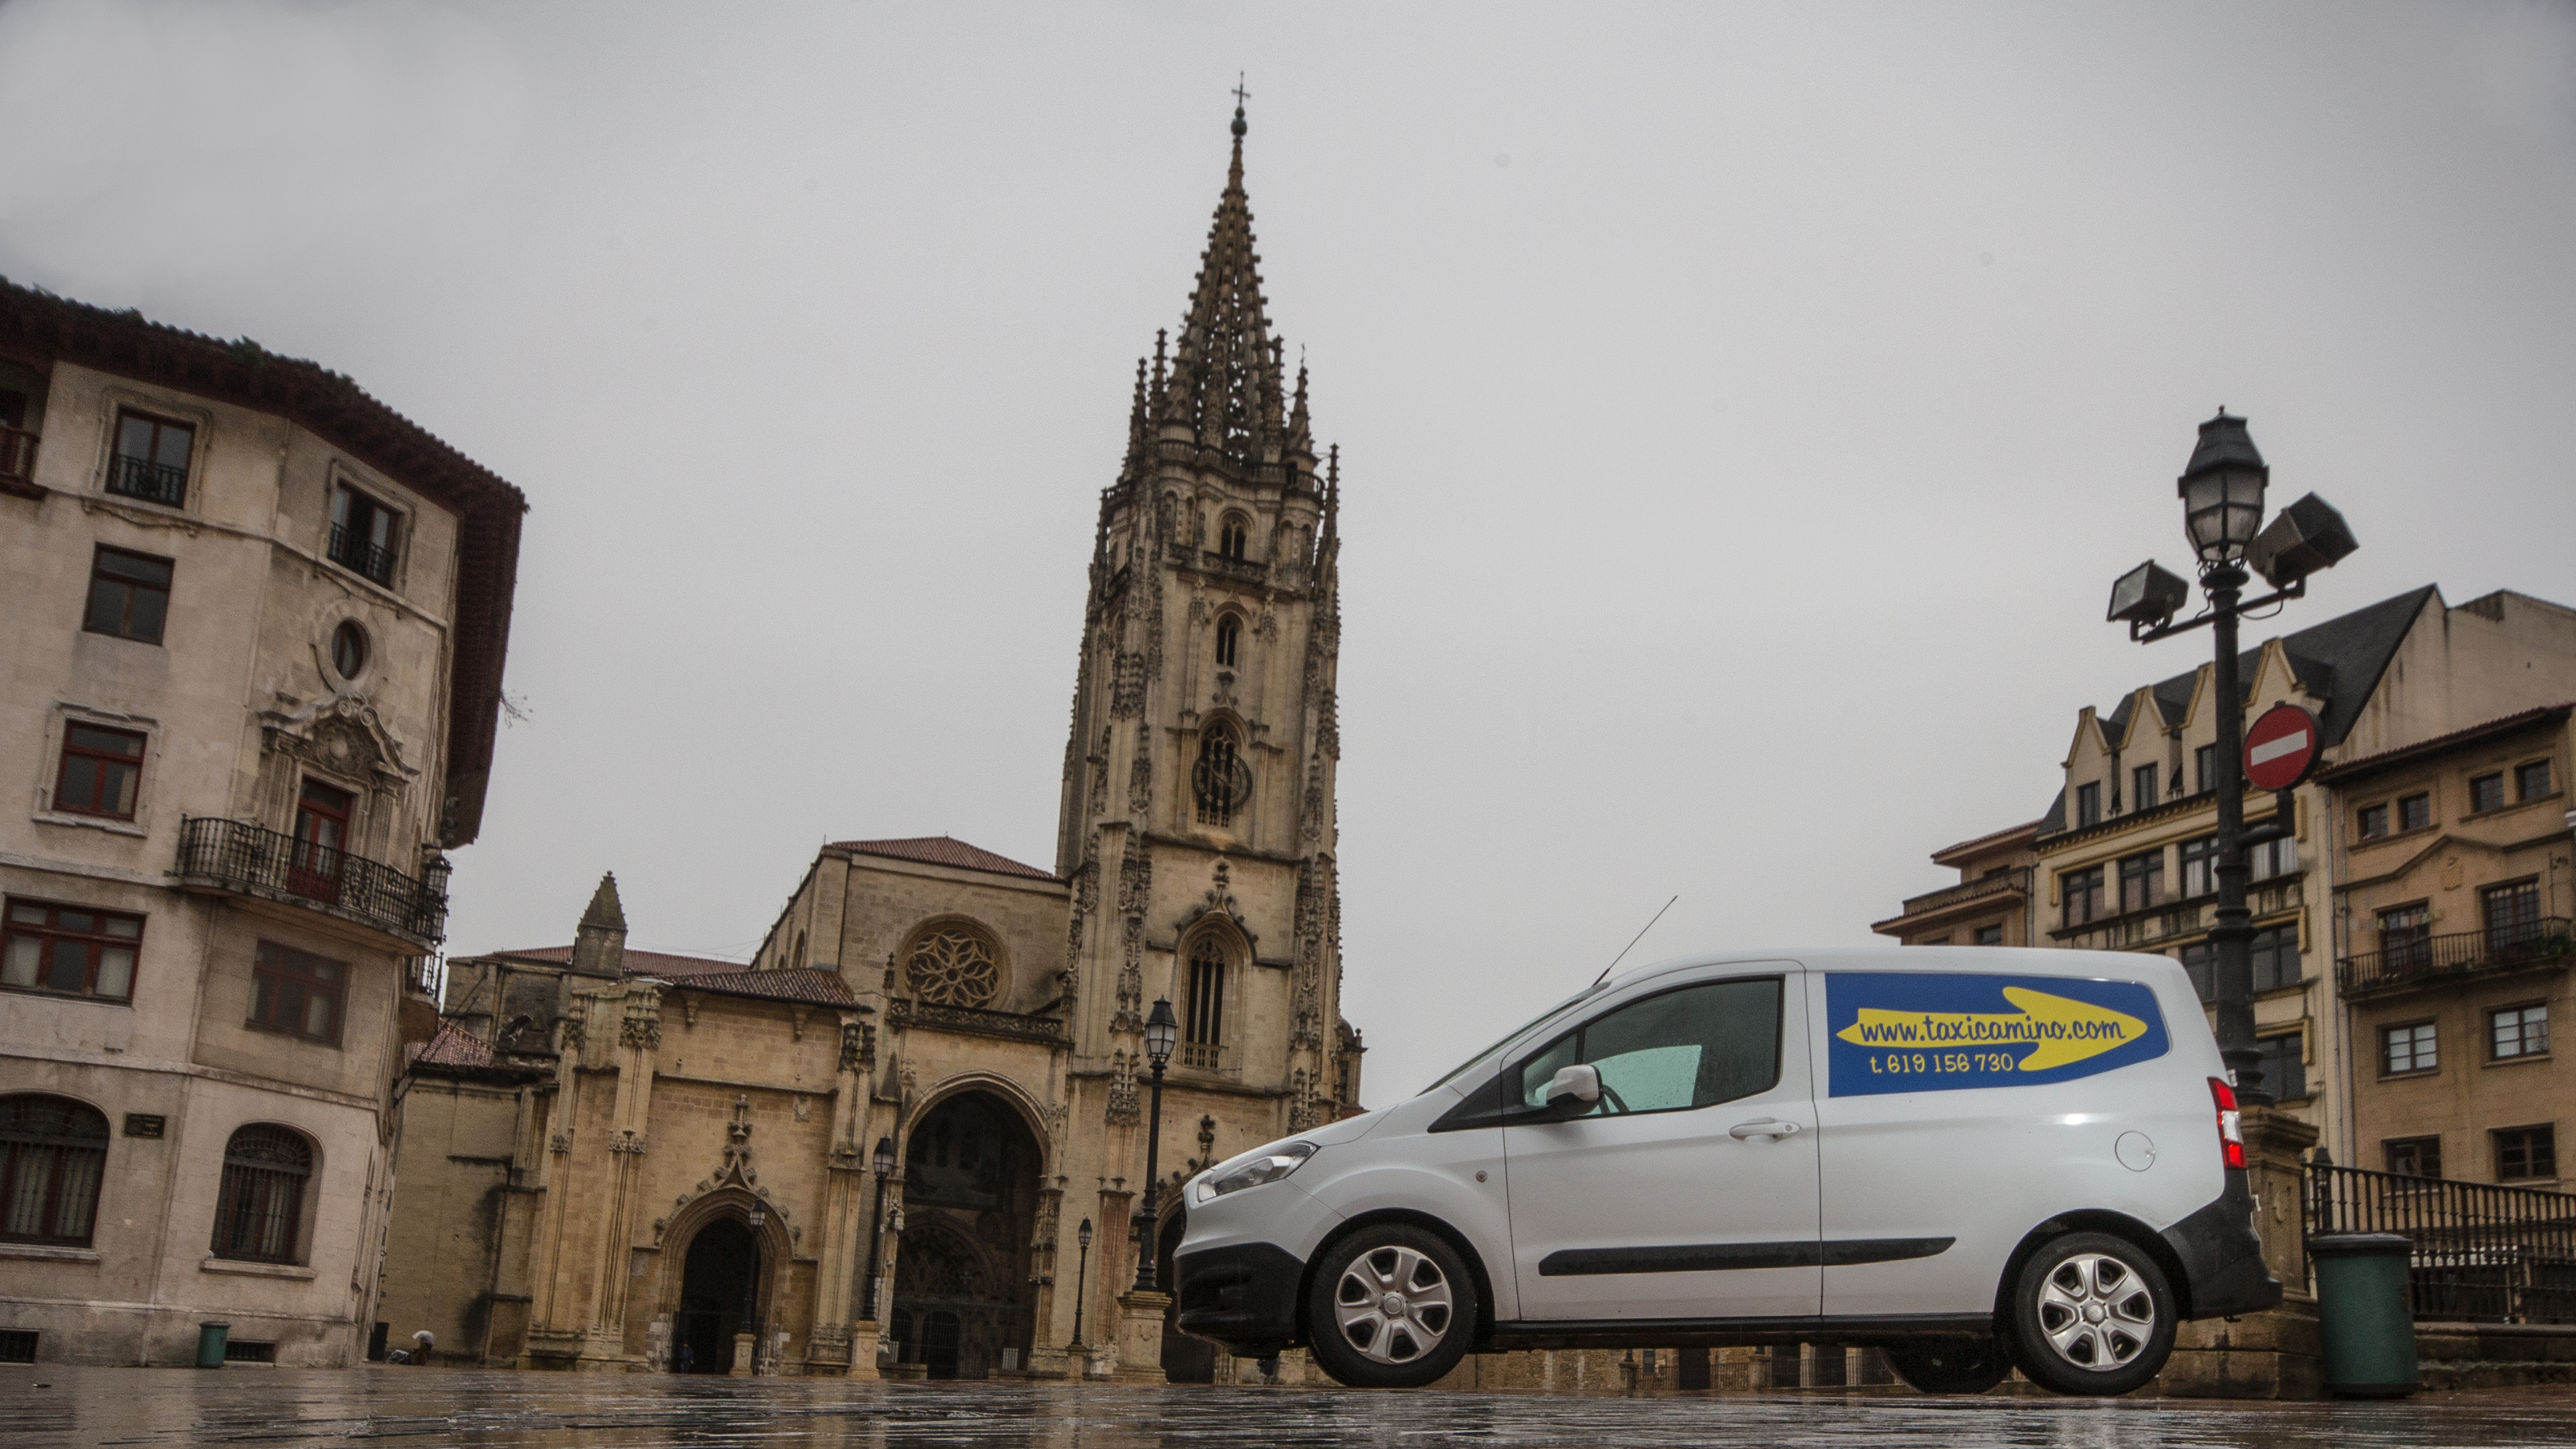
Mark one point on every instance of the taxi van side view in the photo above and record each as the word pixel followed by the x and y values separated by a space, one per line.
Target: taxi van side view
pixel 1977 1160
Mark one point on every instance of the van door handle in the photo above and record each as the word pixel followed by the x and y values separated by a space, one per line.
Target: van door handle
pixel 1763 1129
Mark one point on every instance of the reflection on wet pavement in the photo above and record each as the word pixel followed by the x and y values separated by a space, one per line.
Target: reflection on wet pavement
pixel 47 1407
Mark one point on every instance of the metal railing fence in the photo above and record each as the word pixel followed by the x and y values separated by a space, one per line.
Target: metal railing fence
pixel 2481 1253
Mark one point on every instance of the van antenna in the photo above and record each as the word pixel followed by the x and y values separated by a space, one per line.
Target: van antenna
pixel 1632 944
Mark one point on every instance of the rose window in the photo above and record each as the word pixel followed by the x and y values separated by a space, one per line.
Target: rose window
pixel 953 968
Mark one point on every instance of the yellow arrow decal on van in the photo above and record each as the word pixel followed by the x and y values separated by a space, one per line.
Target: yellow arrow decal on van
pixel 2062 1031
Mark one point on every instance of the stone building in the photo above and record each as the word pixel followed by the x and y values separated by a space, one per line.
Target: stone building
pixel 689 1166
pixel 255 622
pixel 2123 859
pixel 1990 906
pixel 2455 895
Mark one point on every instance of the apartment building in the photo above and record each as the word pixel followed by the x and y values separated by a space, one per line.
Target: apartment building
pixel 253 634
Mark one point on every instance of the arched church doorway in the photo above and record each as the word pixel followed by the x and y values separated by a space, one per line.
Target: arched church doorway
pixel 719 1297
pixel 961 1279
pixel 1186 1360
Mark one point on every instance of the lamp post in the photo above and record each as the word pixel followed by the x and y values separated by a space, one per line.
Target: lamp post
pixel 1160 1029
pixel 2222 496
pixel 883 1160
pixel 1081 1282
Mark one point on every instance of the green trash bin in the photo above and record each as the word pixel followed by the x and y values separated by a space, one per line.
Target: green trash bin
pixel 210 1343
pixel 2363 1314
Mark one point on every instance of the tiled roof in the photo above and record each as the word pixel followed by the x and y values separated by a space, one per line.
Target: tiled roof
pixel 943 850
pixel 2504 724
pixel 1994 837
pixel 454 1046
pixel 786 983
pixel 638 963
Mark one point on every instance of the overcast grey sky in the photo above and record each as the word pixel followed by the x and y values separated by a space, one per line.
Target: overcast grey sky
pixel 1744 408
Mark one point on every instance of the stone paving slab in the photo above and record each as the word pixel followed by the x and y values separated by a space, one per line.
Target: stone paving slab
pixel 46 1407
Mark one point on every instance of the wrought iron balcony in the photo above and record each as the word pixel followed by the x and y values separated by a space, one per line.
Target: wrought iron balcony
pixel 17 460
pixel 2409 965
pixel 351 551
pixel 152 482
pixel 236 857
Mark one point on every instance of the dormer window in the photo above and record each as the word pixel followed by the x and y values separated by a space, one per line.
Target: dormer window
pixel 2088 805
pixel 151 459
pixel 362 534
pixel 2142 787
pixel 1229 639
pixel 1232 537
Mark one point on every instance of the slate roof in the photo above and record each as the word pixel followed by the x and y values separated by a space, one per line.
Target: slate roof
pixel 2339 661
pixel 943 850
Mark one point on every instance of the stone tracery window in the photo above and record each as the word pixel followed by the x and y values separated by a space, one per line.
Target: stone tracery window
pixel 953 964
pixel 1220 779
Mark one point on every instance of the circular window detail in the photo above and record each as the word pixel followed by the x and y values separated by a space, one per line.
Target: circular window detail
pixel 349 648
pixel 953 966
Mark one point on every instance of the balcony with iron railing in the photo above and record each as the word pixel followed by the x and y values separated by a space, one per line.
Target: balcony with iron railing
pixel 18 462
pixel 351 550
pixel 2541 944
pixel 233 857
pixel 132 477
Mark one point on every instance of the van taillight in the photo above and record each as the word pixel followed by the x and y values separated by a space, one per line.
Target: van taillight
pixel 2231 1122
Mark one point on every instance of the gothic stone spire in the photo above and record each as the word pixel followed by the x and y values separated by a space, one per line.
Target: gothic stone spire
pixel 1224 386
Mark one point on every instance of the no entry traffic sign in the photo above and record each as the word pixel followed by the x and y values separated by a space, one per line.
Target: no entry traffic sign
pixel 2281 747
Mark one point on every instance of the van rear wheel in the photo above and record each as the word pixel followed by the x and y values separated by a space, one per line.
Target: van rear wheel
pixel 1951 1366
pixel 2092 1315
pixel 1390 1307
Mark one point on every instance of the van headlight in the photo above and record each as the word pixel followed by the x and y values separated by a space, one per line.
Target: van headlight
pixel 1268 1165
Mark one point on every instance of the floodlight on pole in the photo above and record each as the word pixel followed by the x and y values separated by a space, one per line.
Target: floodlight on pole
pixel 2306 536
pixel 2148 594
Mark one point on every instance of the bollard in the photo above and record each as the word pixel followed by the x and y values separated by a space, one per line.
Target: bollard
pixel 210 1343
pixel 2363 1316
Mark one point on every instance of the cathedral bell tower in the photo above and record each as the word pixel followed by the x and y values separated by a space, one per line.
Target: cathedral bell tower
pixel 1197 822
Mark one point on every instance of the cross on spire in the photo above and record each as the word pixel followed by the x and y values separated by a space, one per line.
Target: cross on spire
pixel 1240 94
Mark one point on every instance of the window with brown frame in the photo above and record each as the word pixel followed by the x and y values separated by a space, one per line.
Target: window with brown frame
pixel 2406 938
pixel 2531 781
pixel 2512 915
pixel 298 993
pixel 151 458
pixel 2415 1156
pixel 2142 880
pixel 259 1206
pixel 129 595
pixel 2081 893
pixel 51 1151
pixel 2519 1031
pixel 101 772
pixel 1990 935
pixel 2523 1153
pixel 2415 812
pixel 321 836
pixel 2413 1047
pixel 2372 821
pixel 2486 792
pixel 72 950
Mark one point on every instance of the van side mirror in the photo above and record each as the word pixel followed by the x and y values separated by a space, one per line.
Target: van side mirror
pixel 1573 1089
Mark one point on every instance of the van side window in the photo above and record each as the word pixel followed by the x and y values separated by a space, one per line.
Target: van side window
pixel 1694 1047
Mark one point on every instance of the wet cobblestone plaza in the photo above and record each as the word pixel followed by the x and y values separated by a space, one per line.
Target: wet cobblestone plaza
pixel 49 1407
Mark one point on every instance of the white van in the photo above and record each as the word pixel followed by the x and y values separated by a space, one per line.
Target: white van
pixel 1977 1159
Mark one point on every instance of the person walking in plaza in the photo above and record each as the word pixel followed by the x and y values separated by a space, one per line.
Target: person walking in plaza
pixel 421 1344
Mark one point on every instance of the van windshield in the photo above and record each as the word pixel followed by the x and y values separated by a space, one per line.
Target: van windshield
pixel 1592 990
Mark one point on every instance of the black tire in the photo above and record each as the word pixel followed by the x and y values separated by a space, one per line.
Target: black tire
pixel 1389 1265
pixel 1952 1365
pixel 2092 1314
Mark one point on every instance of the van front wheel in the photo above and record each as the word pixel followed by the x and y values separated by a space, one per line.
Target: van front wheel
pixel 1390 1307
pixel 2092 1315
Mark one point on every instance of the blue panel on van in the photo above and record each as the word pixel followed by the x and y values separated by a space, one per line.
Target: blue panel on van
pixel 1938 1031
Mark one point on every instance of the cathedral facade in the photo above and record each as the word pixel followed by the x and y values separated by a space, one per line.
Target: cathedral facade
pixel 910 1136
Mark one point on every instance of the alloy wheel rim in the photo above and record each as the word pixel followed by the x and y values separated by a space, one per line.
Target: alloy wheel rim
pixel 2095 1312
pixel 1393 1305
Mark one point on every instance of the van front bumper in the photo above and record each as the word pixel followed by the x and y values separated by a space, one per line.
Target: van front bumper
pixel 1241 1297
pixel 2222 1256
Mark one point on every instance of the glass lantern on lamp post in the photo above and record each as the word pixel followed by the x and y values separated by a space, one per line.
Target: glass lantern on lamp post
pixel 2222 492
pixel 1081 1282
pixel 1161 1030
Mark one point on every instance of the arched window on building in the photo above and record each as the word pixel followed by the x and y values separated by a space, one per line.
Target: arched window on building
pixel 259 1209
pixel 1229 640
pixel 1221 781
pixel 1232 535
pixel 1204 1038
pixel 51 1151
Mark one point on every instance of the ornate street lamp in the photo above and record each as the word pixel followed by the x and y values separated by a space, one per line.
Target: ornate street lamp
pixel 1161 1027
pixel 1081 1282
pixel 2222 495
pixel 883 1159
